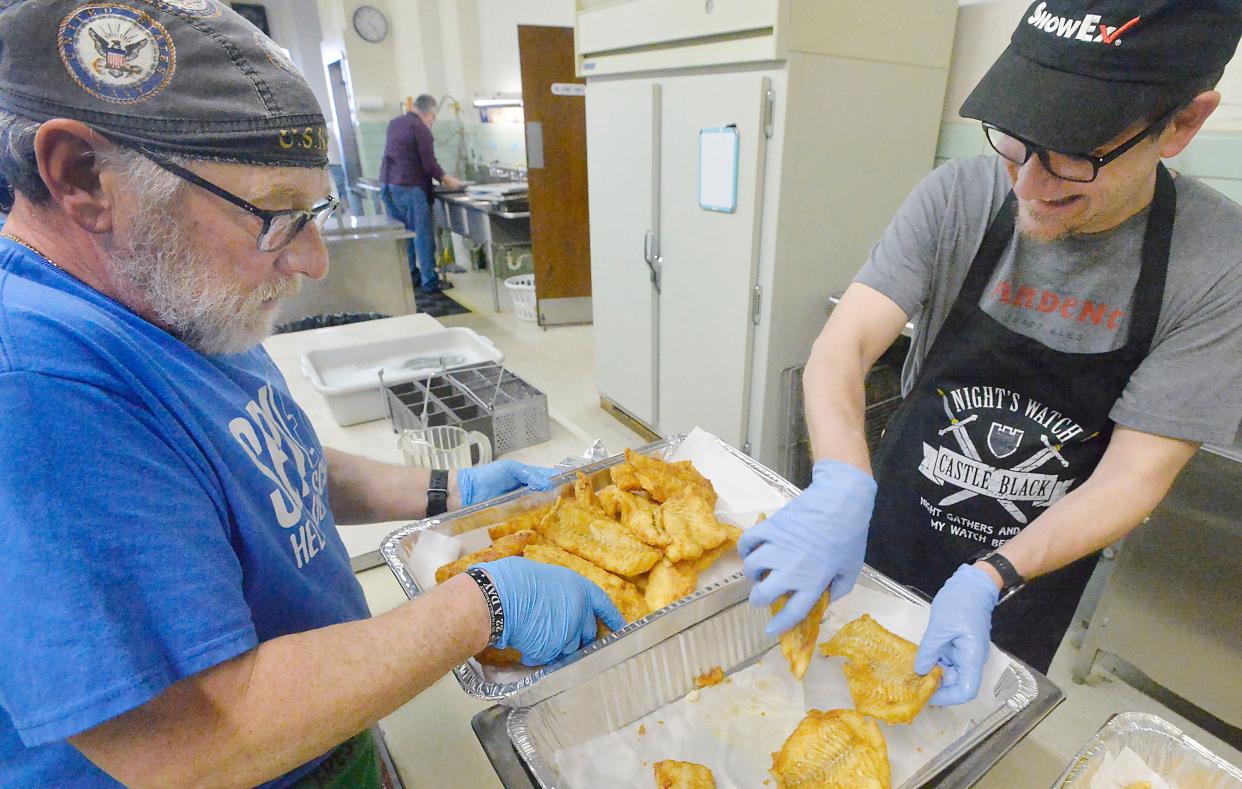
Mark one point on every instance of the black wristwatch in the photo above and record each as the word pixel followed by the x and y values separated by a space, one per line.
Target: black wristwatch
pixel 437 493
pixel 1010 577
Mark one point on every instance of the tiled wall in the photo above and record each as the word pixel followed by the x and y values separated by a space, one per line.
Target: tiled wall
pixel 1214 157
pixel 491 143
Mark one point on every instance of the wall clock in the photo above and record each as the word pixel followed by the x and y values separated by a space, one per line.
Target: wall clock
pixel 370 23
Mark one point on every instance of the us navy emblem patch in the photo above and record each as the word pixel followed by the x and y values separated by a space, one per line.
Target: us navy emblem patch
pixel 116 53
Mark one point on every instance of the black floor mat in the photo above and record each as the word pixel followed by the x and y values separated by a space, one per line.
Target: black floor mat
pixel 323 321
pixel 437 305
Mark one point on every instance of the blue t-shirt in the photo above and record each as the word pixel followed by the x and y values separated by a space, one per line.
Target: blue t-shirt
pixel 162 512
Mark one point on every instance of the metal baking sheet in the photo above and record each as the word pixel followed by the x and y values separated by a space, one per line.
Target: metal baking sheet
pixel 532 686
pixel 1165 749
pixel 653 686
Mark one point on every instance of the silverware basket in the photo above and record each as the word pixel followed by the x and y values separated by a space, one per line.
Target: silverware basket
pixel 485 397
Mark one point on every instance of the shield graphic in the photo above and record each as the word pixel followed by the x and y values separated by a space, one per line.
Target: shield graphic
pixel 1003 440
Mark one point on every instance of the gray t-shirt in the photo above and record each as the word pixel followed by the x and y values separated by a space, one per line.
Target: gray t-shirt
pixel 1075 295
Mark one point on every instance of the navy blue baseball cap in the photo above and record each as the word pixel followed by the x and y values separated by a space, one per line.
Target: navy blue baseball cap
pixel 184 77
pixel 1078 73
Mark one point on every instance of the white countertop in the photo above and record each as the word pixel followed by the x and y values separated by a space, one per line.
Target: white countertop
pixel 376 439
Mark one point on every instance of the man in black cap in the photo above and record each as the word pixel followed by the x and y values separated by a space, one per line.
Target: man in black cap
pixel 1076 337
pixel 178 607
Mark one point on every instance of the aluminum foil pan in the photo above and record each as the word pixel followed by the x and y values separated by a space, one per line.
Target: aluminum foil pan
pixel 733 638
pixel 606 652
pixel 1164 747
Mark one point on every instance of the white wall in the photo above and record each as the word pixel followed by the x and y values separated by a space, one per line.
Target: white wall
pixel 373 67
pixel 983 30
pixel 497 40
pixel 299 32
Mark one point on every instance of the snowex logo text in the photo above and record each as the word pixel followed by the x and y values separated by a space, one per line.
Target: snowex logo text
pixel 1087 29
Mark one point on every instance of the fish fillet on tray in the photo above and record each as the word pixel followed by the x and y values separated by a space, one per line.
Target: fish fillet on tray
pixel 655 528
pixel 760 723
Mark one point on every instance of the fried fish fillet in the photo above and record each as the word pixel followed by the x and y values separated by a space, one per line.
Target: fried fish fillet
pixel 671 774
pixel 584 494
pixel 880 671
pixel 663 480
pixel 709 557
pixel 635 513
pixel 624 595
pixel 510 545
pixel 838 749
pixel 499 657
pixel 798 643
pixel 522 522
pixel 595 538
pixel 610 500
pixel 625 477
pixel 691 526
pixel 668 582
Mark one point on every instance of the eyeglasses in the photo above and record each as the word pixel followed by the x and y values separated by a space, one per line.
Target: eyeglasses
pixel 279 227
pixel 1066 166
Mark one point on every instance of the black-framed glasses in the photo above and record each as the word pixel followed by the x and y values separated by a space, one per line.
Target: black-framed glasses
pixel 279 227
pixel 1079 168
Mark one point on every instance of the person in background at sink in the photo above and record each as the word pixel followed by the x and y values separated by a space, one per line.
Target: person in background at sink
pixel 1076 337
pixel 407 172
pixel 176 605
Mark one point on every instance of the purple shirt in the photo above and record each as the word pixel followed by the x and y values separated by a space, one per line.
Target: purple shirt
pixel 410 155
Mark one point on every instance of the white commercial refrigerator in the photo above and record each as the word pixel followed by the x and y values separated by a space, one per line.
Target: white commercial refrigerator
pixel 835 107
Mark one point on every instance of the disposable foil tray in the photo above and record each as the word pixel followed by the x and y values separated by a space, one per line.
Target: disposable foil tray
pixel 1169 753
pixel 398 548
pixel 485 397
pixel 646 686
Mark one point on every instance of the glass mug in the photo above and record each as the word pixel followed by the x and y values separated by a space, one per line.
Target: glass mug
pixel 443 447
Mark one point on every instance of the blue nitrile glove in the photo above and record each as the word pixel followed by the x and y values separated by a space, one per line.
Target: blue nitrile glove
pixel 959 634
pixel 549 611
pixel 496 479
pixel 815 540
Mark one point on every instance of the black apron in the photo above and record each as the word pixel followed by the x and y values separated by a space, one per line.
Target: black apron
pixel 997 428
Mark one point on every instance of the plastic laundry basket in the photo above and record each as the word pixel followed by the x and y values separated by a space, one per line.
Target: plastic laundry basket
pixel 522 294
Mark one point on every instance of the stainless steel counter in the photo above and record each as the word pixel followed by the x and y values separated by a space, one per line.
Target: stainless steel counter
pixel 368 271
pixel 353 228
pixel 488 225
pixel 486 206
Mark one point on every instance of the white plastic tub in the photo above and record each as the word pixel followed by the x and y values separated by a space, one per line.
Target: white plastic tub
pixel 348 377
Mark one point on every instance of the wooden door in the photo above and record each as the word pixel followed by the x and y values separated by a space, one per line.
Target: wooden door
pixel 554 102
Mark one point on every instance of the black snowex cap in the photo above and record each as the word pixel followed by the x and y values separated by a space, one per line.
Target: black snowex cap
pixel 185 77
pixel 1078 73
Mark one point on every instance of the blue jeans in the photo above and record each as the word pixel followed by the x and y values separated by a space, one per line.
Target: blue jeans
pixel 409 206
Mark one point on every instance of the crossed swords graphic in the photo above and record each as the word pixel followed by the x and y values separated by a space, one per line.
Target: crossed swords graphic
pixel 958 429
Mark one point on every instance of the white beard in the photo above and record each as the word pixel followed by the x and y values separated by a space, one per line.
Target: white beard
pixel 184 293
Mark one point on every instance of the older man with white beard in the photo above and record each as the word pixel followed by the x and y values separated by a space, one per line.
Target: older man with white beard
pixel 176 605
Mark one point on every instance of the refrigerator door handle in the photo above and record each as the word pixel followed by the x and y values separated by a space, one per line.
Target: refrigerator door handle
pixel 653 259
